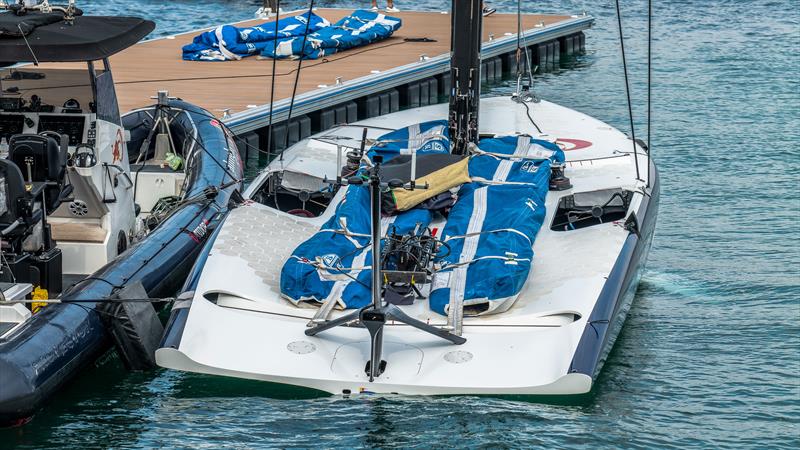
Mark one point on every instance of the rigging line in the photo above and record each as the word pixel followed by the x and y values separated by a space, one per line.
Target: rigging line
pixel 649 65
pixel 528 65
pixel 528 87
pixel 526 68
pixel 628 91
pixel 272 79
pixel 649 80
pixel 222 124
pixel 389 324
pixel 297 74
pixel 519 36
pixel 53 301
pixel 35 59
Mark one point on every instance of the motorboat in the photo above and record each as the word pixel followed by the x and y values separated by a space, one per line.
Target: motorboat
pixel 488 247
pixel 91 202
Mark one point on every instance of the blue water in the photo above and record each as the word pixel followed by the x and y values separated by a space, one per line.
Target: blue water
pixel 710 353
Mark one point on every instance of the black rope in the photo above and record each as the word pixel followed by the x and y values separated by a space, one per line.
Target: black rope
pixel 628 91
pixel 299 66
pixel 199 143
pixel 528 112
pixel 272 80
pixel 56 301
pixel 206 203
pixel 92 278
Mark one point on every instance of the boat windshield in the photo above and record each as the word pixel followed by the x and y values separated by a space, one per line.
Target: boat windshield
pixel 50 90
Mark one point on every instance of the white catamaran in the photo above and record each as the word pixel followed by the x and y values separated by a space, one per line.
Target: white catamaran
pixel 429 252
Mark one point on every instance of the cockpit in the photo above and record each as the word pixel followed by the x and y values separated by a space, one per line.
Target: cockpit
pixel 49 129
pixel 295 185
pixel 65 187
pixel 37 101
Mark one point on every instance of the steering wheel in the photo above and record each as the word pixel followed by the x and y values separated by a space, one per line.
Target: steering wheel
pixel 52 134
pixel 72 104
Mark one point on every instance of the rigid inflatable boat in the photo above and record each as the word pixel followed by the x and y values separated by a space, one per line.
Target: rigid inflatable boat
pixel 116 219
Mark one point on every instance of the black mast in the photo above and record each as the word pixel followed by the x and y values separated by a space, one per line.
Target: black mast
pixel 465 72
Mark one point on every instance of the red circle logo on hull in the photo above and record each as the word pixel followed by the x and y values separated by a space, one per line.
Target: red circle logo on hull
pixel 572 144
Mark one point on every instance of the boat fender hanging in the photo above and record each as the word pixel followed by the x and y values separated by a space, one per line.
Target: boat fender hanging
pixel 134 327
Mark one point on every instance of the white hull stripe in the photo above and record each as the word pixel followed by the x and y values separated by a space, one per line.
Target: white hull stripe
pixel 499 230
pixel 458 280
pixel 504 168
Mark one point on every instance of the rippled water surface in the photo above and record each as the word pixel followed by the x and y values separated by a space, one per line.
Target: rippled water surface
pixel 710 353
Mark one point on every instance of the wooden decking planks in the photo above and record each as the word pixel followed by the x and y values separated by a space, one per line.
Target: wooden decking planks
pixel 78 232
pixel 155 65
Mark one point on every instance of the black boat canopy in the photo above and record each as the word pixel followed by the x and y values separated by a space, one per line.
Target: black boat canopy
pixel 89 38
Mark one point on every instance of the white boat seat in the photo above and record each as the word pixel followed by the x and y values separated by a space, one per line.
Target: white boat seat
pixel 78 232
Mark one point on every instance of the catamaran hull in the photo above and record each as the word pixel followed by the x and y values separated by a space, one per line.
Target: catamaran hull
pixel 597 340
pixel 569 384
pixel 607 319
pixel 53 346
pixel 552 342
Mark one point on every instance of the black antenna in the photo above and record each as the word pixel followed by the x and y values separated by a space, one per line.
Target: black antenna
pixel 465 73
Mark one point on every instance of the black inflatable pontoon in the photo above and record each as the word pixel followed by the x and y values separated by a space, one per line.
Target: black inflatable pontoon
pixel 52 347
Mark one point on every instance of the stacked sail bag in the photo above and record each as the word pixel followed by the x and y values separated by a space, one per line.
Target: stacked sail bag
pixel 336 262
pixel 230 43
pixel 491 229
pixel 358 29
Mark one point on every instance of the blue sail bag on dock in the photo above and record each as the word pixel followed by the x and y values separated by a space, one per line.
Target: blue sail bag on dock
pixel 229 43
pixel 358 29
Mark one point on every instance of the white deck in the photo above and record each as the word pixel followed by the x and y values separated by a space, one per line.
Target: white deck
pixel 253 333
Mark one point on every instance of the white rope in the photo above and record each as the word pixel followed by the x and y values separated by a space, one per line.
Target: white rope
pixel 508 258
pixel 499 230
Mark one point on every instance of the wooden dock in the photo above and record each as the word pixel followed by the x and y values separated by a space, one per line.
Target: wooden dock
pixel 397 72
